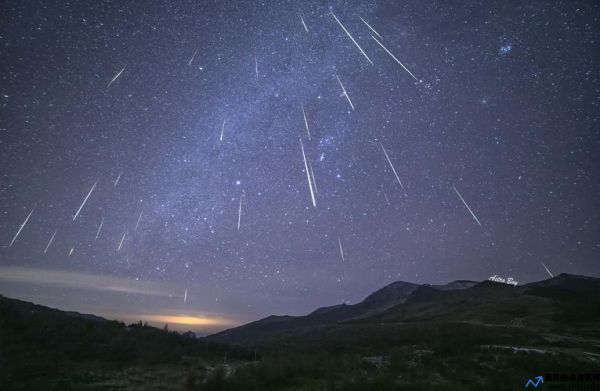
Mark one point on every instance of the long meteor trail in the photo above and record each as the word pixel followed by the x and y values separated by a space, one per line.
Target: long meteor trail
pixel 312 194
pixel 312 175
pixel 369 26
pixel 551 275
pixel 121 242
pixel 394 57
pixel 306 122
pixel 84 201
pixel 463 201
pixel 116 77
pixel 352 38
pixel 21 228
pixel 392 166
pixel 344 92
pixel 50 242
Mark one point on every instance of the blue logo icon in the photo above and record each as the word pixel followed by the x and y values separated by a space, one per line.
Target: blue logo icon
pixel 538 380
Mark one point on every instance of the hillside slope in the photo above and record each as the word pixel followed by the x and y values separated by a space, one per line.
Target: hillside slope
pixel 45 348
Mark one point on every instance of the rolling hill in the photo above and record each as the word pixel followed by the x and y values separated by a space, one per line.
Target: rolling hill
pixel 45 348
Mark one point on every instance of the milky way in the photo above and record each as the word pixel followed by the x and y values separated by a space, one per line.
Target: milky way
pixel 185 118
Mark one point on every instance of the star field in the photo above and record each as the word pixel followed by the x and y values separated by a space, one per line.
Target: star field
pixel 208 109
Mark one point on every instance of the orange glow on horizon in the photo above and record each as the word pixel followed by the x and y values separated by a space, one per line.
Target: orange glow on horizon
pixel 188 320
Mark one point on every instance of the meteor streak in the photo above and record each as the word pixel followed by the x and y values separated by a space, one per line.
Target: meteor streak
pixel 185 296
pixel 463 201
pixel 117 181
pixel 352 38
pixel 306 122
pixel 303 24
pixel 222 131
pixel 192 59
pixel 394 57
pixel 99 228
pixel 369 26
pixel 392 166
pixel 386 197
pixel 240 212
pixel 341 249
pixel 121 243
pixel 312 174
pixel 256 66
pixel 551 275
pixel 138 222
pixel 116 77
pixel 50 242
pixel 84 201
pixel 312 194
pixel 22 225
pixel 344 91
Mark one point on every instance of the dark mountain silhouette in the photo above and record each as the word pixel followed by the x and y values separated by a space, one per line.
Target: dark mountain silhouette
pixel 487 302
pixel 462 335
pixel 376 303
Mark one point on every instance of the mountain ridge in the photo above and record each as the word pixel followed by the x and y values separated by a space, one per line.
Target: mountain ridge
pixel 408 301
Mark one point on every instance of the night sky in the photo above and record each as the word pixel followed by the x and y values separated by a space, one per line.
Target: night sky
pixel 176 111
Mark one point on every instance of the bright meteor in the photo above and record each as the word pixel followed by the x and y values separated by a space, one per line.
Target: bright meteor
pixel 21 228
pixel 84 201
